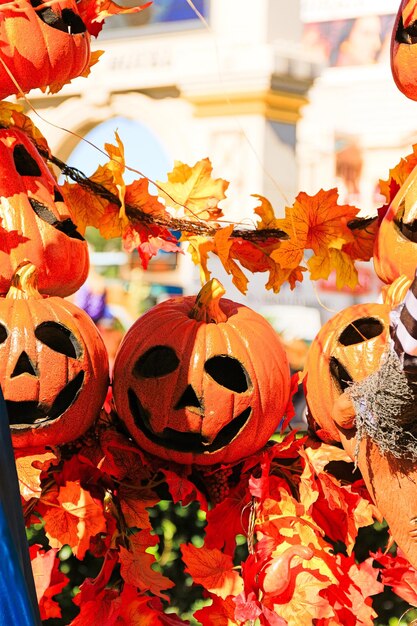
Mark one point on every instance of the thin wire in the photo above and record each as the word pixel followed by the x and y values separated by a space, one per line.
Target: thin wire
pixel 230 104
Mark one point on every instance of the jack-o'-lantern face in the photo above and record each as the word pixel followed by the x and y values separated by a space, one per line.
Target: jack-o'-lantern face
pixel 31 203
pixel 348 348
pixel 196 392
pixel 404 50
pixel 43 44
pixel 395 249
pixel 53 370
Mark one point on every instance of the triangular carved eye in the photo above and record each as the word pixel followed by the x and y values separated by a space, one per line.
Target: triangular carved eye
pixel 59 338
pixel 228 372
pixel 24 162
pixel 361 330
pixel 157 361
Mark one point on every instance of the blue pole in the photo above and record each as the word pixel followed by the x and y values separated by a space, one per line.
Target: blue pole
pixel 18 603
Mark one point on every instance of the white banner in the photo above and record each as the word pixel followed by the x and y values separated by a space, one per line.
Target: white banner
pixel 327 10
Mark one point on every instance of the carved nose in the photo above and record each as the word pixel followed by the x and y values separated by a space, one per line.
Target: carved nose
pixel 23 366
pixel 188 398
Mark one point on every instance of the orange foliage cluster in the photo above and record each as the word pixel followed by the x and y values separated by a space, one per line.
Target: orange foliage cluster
pixel 96 494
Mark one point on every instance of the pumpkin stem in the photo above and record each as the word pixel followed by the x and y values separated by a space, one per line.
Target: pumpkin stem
pixel 24 283
pixel 207 303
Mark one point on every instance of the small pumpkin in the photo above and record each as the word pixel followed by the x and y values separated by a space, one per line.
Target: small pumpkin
pixel 348 348
pixel 201 380
pixel 53 365
pixel 42 44
pixel 31 203
pixel 403 51
pixel 395 248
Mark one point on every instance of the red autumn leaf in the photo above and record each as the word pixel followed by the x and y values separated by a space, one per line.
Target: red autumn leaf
pixel 49 581
pixel 227 520
pixel 183 490
pixel 247 607
pixel 73 519
pixel 10 239
pixel 94 12
pixel 134 502
pixel 218 612
pixel 104 609
pixel 136 565
pixel 399 575
pixel 138 609
pixel 212 569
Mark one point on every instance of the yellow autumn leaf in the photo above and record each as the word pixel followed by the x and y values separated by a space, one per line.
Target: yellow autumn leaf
pixel 199 248
pixel 398 175
pixel 194 190
pixel 321 266
pixel 266 213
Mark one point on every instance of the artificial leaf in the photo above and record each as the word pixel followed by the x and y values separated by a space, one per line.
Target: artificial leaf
pixel 399 575
pixel 11 115
pixel 227 520
pixel 73 519
pixel 94 12
pixel 87 209
pixel 223 244
pixel 306 604
pixel 49 581
pixel 398 175
pixel 193 190
pixel 218 612
pixel 212 569
pixel 183 490
pixel 199 248
pixel 313 222
pixel 135 502
pixel 136 565
pixel 29 469
pixel 103 609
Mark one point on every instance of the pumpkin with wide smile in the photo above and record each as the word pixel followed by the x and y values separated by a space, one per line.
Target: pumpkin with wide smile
pixel 201 380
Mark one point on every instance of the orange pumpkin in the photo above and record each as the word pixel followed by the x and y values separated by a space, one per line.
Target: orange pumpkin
pixel 201 380
pixel 403 49
pixel 347 348
pixel 41 44
pixel 53 365
pixel 395 249
pixel 31 203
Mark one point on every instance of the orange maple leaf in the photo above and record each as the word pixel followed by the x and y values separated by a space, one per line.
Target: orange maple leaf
pixel 213 570
pixel 73 518
pixel 136 565
pixel 135 503
pixel 398 175
pixel 315 222
pixel 193 190
pixel 11 115
pixel 29 469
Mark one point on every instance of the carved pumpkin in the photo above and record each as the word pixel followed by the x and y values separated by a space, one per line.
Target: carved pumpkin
pixel 30 202
pixel 395 249
pixel 201 380
pixel 41 44
pixel 347 348
pixel 403 49
pixel 53 365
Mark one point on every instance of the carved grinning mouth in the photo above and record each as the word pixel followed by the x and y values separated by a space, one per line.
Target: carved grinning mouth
pixel 186 442
pixel 68 21
pixel 22 414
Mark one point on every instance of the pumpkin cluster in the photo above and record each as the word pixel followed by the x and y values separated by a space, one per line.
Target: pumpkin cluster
pixel 54 366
